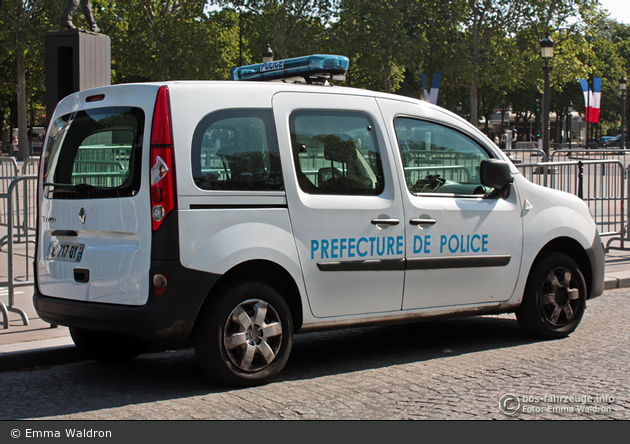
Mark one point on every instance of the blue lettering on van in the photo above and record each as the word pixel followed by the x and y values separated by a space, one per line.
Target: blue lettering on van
pixel 393 246
pixel 343 248
pixel 351 246
pixel 463 243
pixel 422 245
pixel 361 252
pixel 333 248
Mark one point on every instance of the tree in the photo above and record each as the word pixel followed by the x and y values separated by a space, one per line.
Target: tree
pixel 26 22
pixel 379 37
pixel 168 40
pixel 292 27
pixel 475 23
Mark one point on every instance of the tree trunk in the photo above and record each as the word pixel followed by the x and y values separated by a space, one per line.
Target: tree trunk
pixel 473 102
pixel 21 106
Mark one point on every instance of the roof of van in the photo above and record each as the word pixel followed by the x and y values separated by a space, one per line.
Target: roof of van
pixel 266 89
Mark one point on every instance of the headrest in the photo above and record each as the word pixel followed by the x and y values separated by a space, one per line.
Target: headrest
pixel 337 149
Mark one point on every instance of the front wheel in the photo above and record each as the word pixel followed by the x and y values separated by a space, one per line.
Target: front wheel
pixel 554 298
pixel 245 336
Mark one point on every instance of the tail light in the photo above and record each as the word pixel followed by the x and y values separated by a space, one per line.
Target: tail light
pixel 163 195
pixel 160 283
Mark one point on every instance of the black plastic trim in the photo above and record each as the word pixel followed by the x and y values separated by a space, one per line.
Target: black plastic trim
pixel 168 316
pixel 371 265
pixel 235 206
pixel 436 263
pixel 417 263
pixel 597 257
pixel 165 241
pixel 70 233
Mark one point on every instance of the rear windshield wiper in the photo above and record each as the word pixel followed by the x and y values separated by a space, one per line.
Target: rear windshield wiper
pixel 83 189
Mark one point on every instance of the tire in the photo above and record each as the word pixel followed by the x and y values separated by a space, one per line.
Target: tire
pixel 245 336
pixel 107 347
pixel 555 298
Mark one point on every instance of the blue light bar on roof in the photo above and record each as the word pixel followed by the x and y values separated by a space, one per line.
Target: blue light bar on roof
pixel 319 65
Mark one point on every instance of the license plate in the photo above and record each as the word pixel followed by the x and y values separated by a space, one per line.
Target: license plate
pixel 66 251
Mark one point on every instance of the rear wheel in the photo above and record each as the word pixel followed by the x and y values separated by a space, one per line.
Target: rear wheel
pixel 245 336
pixel 554 299
pixel 106 346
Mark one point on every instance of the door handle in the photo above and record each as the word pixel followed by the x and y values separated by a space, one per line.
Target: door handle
pixel 385 221
pixel 81 275
pixel 423 221
pixel 64 233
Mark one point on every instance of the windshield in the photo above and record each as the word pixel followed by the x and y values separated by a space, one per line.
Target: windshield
pixel 94 153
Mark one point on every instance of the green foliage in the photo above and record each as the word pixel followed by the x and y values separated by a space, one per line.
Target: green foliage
pixel 155 40
pixel 487 50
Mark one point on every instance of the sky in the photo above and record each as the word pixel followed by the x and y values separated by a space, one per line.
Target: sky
pixel 619 9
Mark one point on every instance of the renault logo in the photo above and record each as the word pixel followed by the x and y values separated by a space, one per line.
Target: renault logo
pixel 82 215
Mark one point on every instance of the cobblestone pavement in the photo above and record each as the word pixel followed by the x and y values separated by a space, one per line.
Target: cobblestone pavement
pixel 457 369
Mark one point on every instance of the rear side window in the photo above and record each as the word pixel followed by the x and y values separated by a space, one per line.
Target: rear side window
pixel 237 150
pixel 94 154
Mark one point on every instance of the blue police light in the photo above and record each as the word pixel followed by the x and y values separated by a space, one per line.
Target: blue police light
pixel 319 65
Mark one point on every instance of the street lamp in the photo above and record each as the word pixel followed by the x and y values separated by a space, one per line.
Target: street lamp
pixel 267 54
pixel 570 110
pixel 546 51
pixel 623 85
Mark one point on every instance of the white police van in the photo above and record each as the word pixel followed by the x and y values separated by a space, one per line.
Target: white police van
pixel 240 213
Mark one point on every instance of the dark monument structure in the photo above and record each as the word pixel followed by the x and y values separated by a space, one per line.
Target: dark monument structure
pixel 71 7
pixel 76 59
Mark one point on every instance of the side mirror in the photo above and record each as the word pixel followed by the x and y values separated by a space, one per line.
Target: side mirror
pixel 496 173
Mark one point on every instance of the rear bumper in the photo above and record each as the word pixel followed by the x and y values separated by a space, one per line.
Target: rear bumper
pixel 168 316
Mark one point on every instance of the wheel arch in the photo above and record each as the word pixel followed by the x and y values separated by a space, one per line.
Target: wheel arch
pixel 574 250
pixel 266 272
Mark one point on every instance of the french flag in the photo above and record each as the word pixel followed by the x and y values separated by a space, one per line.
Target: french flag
pixel 592 99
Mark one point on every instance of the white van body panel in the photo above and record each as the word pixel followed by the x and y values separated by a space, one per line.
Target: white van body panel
pixel 215 239
pixel 550 214
pixel 236 236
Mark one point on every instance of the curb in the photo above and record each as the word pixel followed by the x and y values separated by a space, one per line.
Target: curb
pixel 48 352
pixel 611 282
pixel 40 357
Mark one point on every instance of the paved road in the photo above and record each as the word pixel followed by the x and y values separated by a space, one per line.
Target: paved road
pixel 457 369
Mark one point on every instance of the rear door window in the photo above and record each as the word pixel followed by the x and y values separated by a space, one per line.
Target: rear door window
pixel 94 154
pixel 336 152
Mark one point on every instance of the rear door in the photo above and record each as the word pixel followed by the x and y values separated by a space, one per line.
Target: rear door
pixel 344 202
pixel 95 231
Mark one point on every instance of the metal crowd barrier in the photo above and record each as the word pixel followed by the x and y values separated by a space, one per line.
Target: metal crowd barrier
pixel 8 172
pixel 26 209
pixel 598 154
pixel 526 156
pixel 21 188
pixel 30 166
pixel 600 183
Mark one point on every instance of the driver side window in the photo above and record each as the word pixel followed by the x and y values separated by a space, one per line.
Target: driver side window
pixel 438 159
